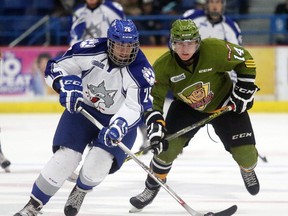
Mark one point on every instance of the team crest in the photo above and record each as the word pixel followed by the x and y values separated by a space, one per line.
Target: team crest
pixel 100 96
pixel 88 43
pixel 149 76
pixel 197 95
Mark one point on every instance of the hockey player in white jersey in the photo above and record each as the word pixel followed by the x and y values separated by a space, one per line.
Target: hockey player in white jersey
pixel 212 22
pixel 110 78
pixel 92 19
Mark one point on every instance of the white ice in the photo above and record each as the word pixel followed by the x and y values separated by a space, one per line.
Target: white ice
pixel 204 176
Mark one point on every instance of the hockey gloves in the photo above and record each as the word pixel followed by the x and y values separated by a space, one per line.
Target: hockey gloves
pixel 71 95
pixel 114 133
pixel 156 132
pixel 242 96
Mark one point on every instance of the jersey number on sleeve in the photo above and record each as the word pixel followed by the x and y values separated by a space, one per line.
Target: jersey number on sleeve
pixel 240 53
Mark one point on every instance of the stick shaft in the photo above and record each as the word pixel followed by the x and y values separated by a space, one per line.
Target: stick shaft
pixel 145 168
pixel 189 128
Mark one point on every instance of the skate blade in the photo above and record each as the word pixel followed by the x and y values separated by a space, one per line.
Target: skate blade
pixel 134 210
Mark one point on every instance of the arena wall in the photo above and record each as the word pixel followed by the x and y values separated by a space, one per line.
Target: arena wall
pixel 271 62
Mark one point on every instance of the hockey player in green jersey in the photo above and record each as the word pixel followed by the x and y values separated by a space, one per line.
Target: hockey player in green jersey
pixel 195 71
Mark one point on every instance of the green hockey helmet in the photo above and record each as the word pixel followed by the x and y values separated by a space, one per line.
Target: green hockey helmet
pixel 184 30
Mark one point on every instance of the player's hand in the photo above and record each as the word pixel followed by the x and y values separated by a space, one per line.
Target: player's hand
pixel 242 96
pixel 156 132
pixel 71 95
pixel 114 133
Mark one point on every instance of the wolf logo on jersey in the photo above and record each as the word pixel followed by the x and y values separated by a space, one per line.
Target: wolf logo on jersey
pixel 99 94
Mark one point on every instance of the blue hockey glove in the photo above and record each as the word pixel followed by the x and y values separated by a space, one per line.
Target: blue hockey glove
pixel 114 133
pixel 71 95
pixel 242 96
pixel 156 132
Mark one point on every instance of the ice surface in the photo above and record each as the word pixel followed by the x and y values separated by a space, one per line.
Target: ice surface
pixel 204 176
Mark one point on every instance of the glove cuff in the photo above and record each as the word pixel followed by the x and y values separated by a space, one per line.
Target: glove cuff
pixel 155 117
pixel 56 84
pixel 247 85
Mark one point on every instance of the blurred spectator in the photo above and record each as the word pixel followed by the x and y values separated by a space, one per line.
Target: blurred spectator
pixel 63 7
pixel 165 5
pixel 147 8
pixel 37 83
pixel 282 9
pixel 243 6
pixel 93 18
pixel 131 7
pixel 171 9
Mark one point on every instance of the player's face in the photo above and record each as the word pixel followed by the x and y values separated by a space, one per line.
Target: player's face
pixel 93 3
pixel 215 8
pixel 122 51
pixel 185 49
pixel 42 64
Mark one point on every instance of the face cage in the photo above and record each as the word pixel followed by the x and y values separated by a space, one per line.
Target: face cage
pixel 122 62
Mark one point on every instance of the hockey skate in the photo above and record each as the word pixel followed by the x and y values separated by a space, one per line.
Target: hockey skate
pixel 74 201
pixel 5 164
pixel 32 208
pixel 251 181
pixel 143 199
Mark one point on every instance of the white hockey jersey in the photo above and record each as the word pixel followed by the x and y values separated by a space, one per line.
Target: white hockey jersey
pixel 122 92
pixel 89 23
pixel 226 29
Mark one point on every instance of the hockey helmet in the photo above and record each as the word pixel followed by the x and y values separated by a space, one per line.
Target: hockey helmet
pixel 184 30
pixel 123 42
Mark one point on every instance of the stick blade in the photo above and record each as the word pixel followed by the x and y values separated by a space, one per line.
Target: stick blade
pixel 227 212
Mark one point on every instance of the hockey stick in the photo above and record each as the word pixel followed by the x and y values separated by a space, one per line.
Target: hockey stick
pixel 216 114
pixel 230 211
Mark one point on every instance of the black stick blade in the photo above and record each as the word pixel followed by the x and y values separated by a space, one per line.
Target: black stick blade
pixel 227 212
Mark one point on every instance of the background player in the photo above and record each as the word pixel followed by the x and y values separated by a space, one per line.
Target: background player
pixel 93 19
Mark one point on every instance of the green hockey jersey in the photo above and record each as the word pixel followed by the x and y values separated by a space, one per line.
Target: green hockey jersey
pixel 205 85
